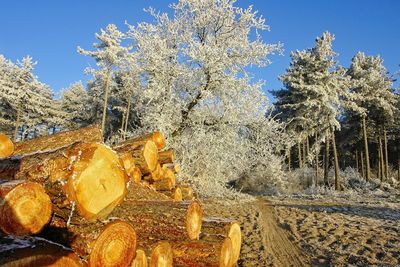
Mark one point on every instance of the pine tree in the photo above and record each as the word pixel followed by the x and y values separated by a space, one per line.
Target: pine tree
pixel 75 103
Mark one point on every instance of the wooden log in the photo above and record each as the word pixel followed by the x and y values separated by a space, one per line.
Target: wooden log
pixel 176 168
pixel 59 140
pixel 140 192
pixel 161 255
pixel 214 252
pixel 157 174
pixel 187 191
pixel 161 220
pixel 101 244
pixel 136 175
pixel 25 208
pixel 145 156
pixel 167 182
pixel 128 163
pixel 140 259
pixel 166 156
pixel 34 251
pixel 227 228
pixel 6 146
pixel 174 194
pixel 156 137
pixel 86 177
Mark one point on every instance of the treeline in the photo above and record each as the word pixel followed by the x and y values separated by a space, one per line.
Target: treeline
pixel 351 113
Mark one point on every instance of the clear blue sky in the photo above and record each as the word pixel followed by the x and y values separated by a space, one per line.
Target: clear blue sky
pixel 51 30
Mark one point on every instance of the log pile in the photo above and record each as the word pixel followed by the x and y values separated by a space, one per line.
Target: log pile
pixel 69 200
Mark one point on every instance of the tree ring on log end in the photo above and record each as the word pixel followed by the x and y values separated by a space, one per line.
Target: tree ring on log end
pixel 194 220
pixel 26 209
pixel 226 255
pixel 140 259
pixel 161 256
pixel 235 234
pixel 159 140
pixel 115 246
pixel 6 146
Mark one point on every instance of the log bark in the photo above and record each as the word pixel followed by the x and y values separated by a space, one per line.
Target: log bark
pixel 166 156
pixel 101 244
pixel 34 251
pixel 6 146
pixel 140 259
pixel 216 251
pixel 59 140
pixel 25 208
pixel 227 228
pixel 139 192
pixel 162 220
pixel 88 177
pixel 174 194
pixel 156 137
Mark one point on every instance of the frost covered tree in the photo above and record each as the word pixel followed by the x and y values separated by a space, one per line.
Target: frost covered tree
pixel 196 89
pixel 75 103
pixel 373 97
pixel 108 54
pixel 310 101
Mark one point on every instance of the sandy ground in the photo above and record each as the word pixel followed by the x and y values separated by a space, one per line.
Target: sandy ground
pixel 310 231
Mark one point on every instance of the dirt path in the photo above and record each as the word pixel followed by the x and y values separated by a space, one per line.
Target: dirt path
pixel 277 241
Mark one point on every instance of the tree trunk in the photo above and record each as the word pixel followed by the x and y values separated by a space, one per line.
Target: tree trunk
pixel 122 125
pixel 6 146
pixel 362 165
pixel 381 159
pixel 357 164
pixel 215 252
pixel 299 155
pixel 162 220
pixel 398 169
pixel 316 159
pixel 88 177
pixel 227 228
pixel 59 140
pixel 106 90
pixel 326 159
pixel 17 124
pixel 289 159
pixel 336 159
pixel 304 154
pixel 25 208
pixel 367 165
pixel 127 117
pixel 379 164
pixel 102 244
pixel 35 251
pixel 386 154
pixel 157 137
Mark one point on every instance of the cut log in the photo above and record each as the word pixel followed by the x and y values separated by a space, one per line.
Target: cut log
pixel 136 175
pixel 225 227
pixel 59 140
pixel 174 194
pixel 161 255
pixel 140 259
pixel 34 251
pixel 157 137
pixel 101 244
pixel 89 177
pixel 140 192
pixel 6 146
pixel 168 181
pixel 145 156
pixel 166 156
pixel 215 252
pixel 187 191
pixel 128 162
pixel 25 208
pixel 161 220
pixel 176 168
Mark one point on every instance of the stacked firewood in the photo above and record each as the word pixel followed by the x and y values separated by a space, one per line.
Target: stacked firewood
pixel 69 200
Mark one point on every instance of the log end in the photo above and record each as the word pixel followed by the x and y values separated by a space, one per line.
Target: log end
pixel 115 246
pixel 128 162
pixel 235 234
pixel 136 175
pixel 6 146
pixel 150 154
pixel 194 218
pixel 25 210
pixel 226 254
pixel 161 256
pixel 140 259
pixel 98 181
pixel 177 194
pixel 159 140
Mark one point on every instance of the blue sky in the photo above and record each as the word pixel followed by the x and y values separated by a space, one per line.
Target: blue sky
pixel 51 30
